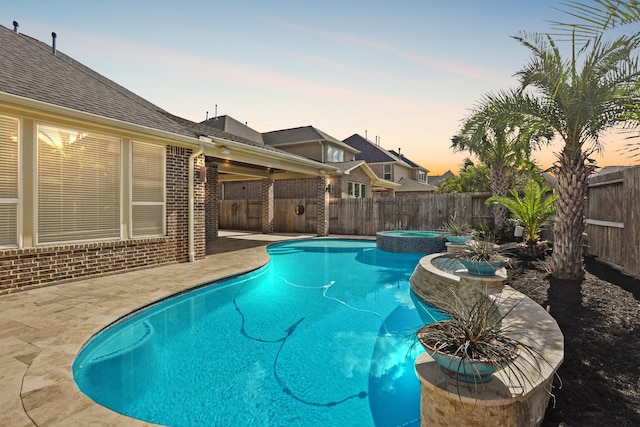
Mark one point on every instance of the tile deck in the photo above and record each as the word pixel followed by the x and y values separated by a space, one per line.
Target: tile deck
pixel 42 330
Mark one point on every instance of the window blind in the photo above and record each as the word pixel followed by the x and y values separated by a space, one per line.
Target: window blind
pixel 147 189
pixel 9 182
pixel 78 185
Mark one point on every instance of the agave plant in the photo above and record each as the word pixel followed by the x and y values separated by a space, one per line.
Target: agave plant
pixel 476 340
pixel 457 232
pixel 532 210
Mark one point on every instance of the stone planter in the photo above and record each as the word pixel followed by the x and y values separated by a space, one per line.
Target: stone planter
pixel 462 369
pixel 458 240
pixel 481 268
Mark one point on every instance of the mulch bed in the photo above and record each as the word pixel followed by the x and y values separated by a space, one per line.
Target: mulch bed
pixel 600 319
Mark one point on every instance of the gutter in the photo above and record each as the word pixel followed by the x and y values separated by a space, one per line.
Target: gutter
pixel 192 157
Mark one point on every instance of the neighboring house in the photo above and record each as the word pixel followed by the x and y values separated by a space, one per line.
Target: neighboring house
pixel 95 179
pixel 391 166
pixel 609 169
pixel 232 126
pixel 353 178
pixel 435 179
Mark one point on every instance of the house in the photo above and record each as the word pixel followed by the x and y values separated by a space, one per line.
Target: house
pixel 353 178
pixel 95 179
pixel 232 126
pixel 392 166
pixel 435 179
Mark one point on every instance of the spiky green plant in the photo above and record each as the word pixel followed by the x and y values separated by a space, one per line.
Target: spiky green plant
pixel 535 208
pixel 480 249
pixel 477 330
pixel 453 227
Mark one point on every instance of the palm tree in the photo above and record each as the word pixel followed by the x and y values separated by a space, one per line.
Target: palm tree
pixel 502 145
pixel 594 20
pixel 581 97
pixel 532 211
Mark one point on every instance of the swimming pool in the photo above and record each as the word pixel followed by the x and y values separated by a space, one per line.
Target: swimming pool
pixel 319 336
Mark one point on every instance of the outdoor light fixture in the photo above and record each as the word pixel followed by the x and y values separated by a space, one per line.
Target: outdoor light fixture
pixel 224 150
pixel 328 188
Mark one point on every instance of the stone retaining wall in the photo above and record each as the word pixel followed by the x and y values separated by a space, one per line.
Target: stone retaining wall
pixel 504 400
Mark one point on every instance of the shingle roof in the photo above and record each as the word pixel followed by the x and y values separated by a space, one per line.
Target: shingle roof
pixel 369 152
pixel 230 125
pixel 29 69
pixel 404 159
pixel 410 185
pixel 435 179
pixel 300 135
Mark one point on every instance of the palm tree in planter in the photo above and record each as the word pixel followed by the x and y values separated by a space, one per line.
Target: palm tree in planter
pixel 532 211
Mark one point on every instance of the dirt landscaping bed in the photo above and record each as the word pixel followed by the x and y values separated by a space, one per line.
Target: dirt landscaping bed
pixel 600 319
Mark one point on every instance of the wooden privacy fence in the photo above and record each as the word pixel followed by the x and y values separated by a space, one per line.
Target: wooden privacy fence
pixel 612 216
pixel 363 217
pixel 613 219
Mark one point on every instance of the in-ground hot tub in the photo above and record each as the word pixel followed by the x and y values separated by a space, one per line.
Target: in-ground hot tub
pixel 411 241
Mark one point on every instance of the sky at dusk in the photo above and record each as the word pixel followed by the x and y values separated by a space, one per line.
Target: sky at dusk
pixel 406 72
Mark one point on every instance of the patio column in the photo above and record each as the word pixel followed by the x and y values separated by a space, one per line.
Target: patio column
pixel 212 204
pixel 267 205
pixel 322 202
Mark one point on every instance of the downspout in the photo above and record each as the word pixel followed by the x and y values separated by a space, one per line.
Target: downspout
pixel 192 157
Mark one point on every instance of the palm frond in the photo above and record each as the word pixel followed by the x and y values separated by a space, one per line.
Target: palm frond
pixel 593 20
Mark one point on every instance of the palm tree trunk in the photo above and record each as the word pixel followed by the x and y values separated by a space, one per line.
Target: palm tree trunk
pixel 499 179
pixel 573 175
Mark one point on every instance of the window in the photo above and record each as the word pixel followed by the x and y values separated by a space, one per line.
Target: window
pixel 147 190
pixel 78 185
pixel 386 173
pixel 422 176
pixel 356 190
pixel 9 184
pixel 334 154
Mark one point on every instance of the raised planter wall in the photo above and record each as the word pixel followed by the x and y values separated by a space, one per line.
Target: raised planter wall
pixel 502 401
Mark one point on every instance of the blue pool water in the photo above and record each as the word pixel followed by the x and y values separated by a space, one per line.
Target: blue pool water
pixel 320 336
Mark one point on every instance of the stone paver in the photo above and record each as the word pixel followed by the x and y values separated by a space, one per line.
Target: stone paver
pixel 42 330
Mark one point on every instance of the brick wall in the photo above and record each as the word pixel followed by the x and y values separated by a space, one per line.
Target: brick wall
pixel 267 205
pixel 283 189
pixel 211 202
pixel 295 188
pixel 322 207
pixel 42 265
pixel 242 190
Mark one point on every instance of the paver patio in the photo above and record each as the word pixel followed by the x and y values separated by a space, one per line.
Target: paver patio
pixel 42 330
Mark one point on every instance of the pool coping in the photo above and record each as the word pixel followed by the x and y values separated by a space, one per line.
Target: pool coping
pixel 43 330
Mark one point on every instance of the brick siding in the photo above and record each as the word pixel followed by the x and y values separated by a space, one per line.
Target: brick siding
pixel 38 266
pixel 211 202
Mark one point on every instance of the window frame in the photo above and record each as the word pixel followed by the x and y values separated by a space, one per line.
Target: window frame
pixel 132 203
pixel 386 175
pixel 15 201
pixel 37 204
pixel 335 154
pixel 356 190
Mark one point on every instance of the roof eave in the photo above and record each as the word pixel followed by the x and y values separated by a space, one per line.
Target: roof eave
pixel 263 157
